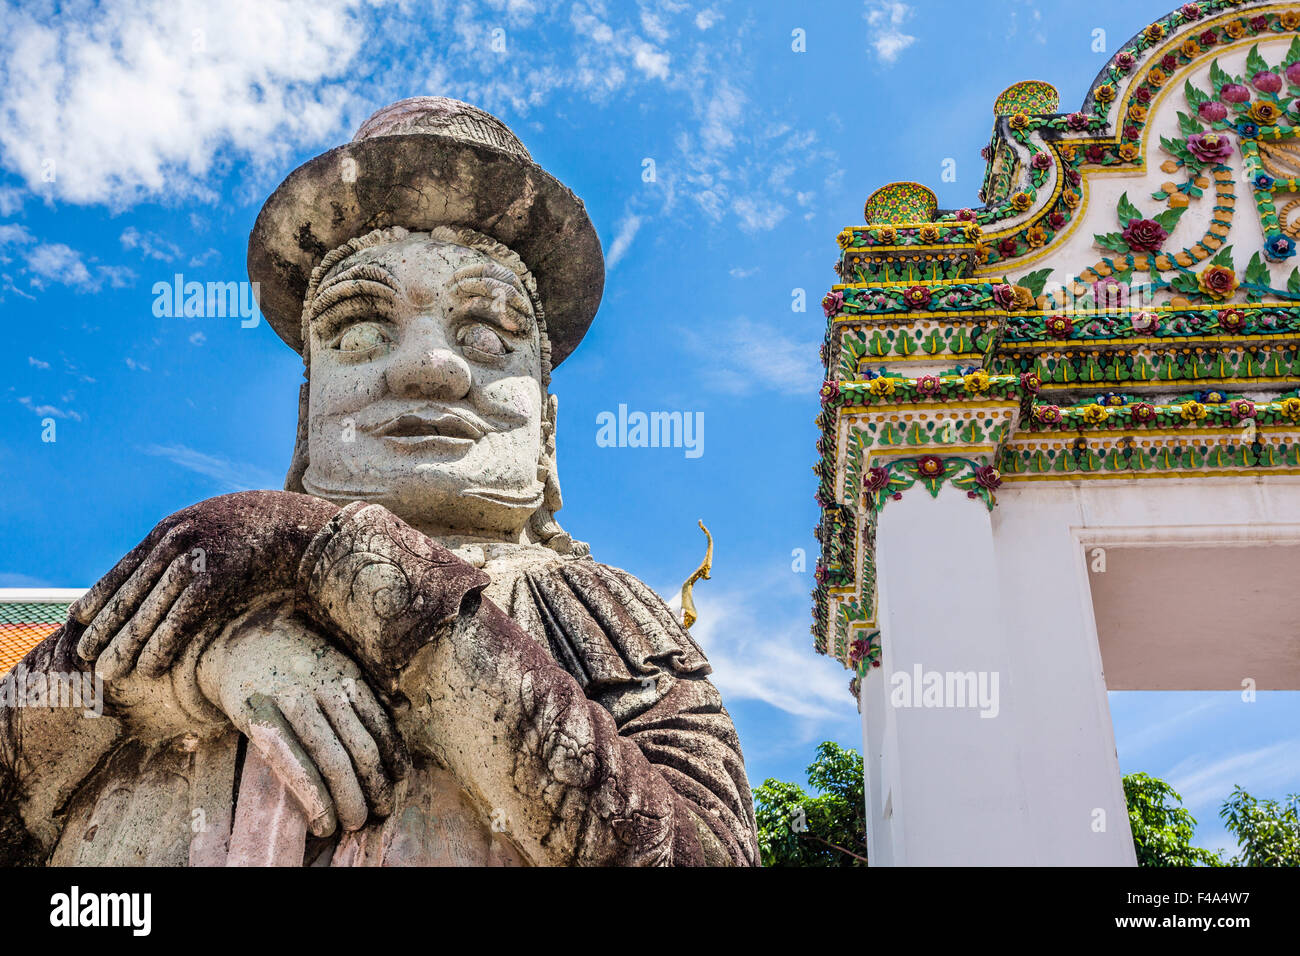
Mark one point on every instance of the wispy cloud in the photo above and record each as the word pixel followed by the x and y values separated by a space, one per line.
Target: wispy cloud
pixel 228 475
pixel 744 357
pixel 150 244
pixel 1201 781
pixel 49 411
pixel 885 19
pixel 627 230
pixel 758 657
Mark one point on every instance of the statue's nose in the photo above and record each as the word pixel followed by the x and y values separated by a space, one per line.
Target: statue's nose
pixel 425 367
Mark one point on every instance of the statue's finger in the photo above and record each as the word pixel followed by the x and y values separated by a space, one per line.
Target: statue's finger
pixel 275 739
pixel 126 600
pixel 372 714
pixel 86 607
pixel 183 620
pixel 361 747
pixel 119 657
pixel 330 757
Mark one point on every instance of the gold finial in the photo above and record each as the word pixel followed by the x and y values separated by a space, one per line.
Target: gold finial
pixel 688 605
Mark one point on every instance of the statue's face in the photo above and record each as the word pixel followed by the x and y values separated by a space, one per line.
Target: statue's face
pixel 426 391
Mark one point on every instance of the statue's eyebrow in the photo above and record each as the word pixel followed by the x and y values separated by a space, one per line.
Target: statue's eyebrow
pixel 491 280
pixel 366 284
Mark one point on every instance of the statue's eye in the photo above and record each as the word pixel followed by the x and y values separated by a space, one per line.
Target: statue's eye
pixel 481 339
pixel 362 337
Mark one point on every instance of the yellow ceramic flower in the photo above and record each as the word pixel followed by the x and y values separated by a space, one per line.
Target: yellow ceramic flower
pixel 1128 152
pixel 1191 49
pixel 1095 414
pixel 1021 201
pixel 1036 237
pixel 1156 78
pixel 1290 20
pixel 881 387
pixel 1192 411
pixel 1265 113
pixel 886 235
pixel 976 381
pixel 1104 93
pixel 845 239
pixel 982 251
pixel 1022 298
pixel 1137 113
pixel 1019 121
pixel 1290 407
pixel 973 231
pixel 1236 29
pixel 929 233
pixel 1218 282
pixel 1070 198
pixel 1155 32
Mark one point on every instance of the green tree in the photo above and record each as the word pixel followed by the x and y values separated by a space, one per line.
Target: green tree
pixel 1267 831
pixel 1162 827
pixel 828 828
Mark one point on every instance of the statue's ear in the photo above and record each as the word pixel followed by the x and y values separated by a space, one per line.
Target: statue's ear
pixel 298 466
pixel 547 471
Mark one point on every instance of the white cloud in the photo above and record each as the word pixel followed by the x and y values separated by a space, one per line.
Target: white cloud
pixel 198 338
pixel 56 262
pixel 739 273
pixel 744 357
pixel 11 200
pixel 627 230
pixel 1209 782
pixel 227 474
pixel 135 366
pixel 48 411
pixel 757 657
pixel 150 244
pixel 136 100
pixel 14 234
pixel 885 19
pixel 37 363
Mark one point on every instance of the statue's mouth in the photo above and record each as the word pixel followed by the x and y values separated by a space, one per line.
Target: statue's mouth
pixel 417 427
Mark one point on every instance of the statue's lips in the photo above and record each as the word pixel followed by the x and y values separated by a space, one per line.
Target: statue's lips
pixel 419 427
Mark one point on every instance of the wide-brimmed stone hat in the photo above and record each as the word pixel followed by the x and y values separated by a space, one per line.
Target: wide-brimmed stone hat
pixel 420 163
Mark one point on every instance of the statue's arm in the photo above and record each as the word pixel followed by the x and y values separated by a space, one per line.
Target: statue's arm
pixel 46 751
pixel 499 713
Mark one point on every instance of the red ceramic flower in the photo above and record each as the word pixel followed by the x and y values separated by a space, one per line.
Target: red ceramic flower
pixel 929 465
pixel 1059 326
pixel 1231 321
pixel 1144 235
pixel 917 297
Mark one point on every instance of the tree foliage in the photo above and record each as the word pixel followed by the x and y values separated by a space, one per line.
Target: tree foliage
pixel 1162 827
pixel 1268 831
pixel 827 828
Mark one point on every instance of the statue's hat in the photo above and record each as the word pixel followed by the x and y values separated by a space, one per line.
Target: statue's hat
pixel 420 163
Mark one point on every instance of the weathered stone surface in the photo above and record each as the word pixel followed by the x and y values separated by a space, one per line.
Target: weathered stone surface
pixel 424 669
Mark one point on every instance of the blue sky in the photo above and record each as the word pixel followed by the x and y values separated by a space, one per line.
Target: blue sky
pixel 165 123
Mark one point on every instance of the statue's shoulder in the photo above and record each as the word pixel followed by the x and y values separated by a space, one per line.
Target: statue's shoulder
pixel 594 616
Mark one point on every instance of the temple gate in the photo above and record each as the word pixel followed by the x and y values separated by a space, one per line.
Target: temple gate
pixel 1060 441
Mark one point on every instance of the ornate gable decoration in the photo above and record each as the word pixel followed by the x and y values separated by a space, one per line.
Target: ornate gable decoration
pixel 1125 304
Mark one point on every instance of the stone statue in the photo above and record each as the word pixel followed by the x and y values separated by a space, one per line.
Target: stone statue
pixel 402 659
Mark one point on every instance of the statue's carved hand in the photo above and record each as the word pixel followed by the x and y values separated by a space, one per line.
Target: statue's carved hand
pixel 306 707
pixel 195 571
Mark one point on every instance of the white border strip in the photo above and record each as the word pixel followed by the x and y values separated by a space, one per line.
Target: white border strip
pixel 40 595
